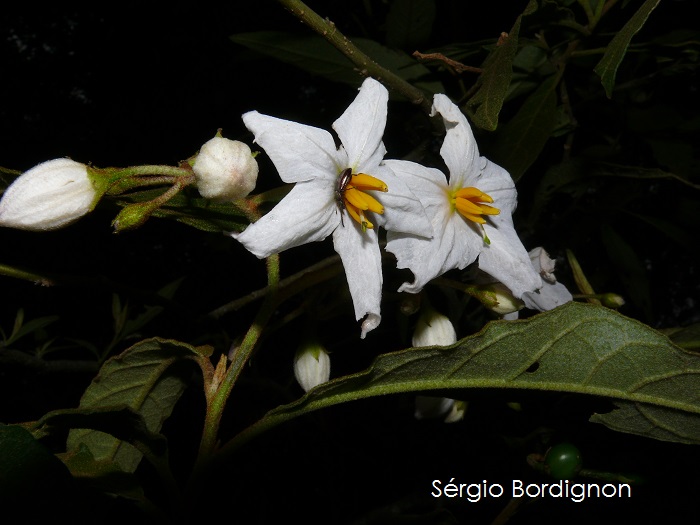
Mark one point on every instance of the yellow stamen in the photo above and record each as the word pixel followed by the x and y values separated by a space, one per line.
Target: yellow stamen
pixel 468 202
pixel 362 200
pixel 356 201
pixel 364 182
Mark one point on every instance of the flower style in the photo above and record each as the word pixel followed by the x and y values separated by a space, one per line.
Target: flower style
pixel 470 214
pixel 324 190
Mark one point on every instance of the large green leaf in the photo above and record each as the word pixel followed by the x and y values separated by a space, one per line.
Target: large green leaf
pixel 141 378
pixel 577 348
pixel 617 48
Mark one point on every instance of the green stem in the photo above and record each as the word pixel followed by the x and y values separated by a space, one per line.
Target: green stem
pixel 367 66
pixel 240 356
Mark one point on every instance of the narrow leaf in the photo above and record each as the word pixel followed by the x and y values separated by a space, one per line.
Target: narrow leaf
pixel 492 86
pixel 615 52
pixel 576 348
pixel 522 139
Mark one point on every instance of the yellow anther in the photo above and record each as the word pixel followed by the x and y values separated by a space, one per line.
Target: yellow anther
pixel 473 194
pixel 365 182
pixel 352 197
pixel 468 202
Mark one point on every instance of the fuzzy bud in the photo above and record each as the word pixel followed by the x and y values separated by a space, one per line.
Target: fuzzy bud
pixel 312 366
pixel 225 170
pixel 49 196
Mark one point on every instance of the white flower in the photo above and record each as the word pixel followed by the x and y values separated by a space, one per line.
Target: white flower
pixel 51 195
pixel 325 190
pixel 465 226
pixel 552 293
pixel 312 366
pixel 225 169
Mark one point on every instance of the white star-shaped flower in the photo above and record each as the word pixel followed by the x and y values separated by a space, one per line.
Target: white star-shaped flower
pixel 471 214
pixel 331 194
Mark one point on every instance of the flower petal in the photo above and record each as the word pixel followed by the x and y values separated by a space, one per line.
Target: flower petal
pixel 307 214
pixel 361 258
pixel 498 184
pixel 548 297
pixel 455 244
pixel 299 152
pixel 361 126
pixel 505 258
pixel 403 212
pixel 459 150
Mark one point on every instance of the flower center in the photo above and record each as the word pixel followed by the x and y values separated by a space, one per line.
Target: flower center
pixel 351 195
pixel 469 203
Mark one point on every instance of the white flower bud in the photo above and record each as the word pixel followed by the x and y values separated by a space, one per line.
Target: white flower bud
pixel 432 329
pixel 225 169
pixel 48 196
pixel 312 366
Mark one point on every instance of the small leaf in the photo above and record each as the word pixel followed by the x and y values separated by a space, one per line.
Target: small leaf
pixel 580 278
pixel 141 379
pixel 576 348
pixel 615 52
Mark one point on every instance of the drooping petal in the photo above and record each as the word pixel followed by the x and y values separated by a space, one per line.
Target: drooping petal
pixel 299 152
pixel 548 297
pixel 459 149
pixel 505 258
pixel 361 126
pixel 359 252
pixel 307 214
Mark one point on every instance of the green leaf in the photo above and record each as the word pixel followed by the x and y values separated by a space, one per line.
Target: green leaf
pixel 687 337
pixel 317 56
pixel 492 87
pixel 631 270
pixel 521 140
pixel 143 379
pixel 576 348
pixel 615 52
pixel 31 477
pixel 409 23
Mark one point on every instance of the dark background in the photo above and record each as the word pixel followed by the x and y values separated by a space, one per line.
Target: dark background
pixel 117 86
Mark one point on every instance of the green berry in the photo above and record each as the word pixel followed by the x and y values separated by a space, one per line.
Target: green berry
pixel 563 461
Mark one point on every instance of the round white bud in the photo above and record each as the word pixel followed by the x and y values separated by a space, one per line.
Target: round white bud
pixel 225 170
